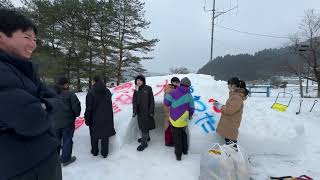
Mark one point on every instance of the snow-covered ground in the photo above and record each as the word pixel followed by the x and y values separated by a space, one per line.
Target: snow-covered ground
pixel 278 143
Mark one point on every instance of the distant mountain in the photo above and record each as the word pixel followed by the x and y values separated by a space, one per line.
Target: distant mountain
pixel 260 66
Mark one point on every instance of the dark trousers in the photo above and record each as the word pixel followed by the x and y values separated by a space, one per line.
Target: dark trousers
pixel 65 136
pixel 145 137
pixel 104 146
pixel 180 140
pixel 50 169
pixel 168 137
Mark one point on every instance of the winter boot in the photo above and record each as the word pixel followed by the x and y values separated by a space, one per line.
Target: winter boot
pixel 72 159
pixel 141 147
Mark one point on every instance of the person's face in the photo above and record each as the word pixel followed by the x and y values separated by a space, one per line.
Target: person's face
pixel 20 44
pixel 176 83
pixel 139 82
pixel 232 87
pixel 66 86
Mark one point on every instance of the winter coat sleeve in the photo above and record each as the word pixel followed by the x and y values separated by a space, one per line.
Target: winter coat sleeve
pixel 167 100
pixel 232 106
pixel 191 106
pixel 75 105
pixel 22 113
pixel 134 102
pixel 49 97
pixel 89 109
pixel 152 104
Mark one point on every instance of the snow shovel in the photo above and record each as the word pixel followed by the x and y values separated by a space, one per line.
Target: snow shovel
pixel 301 100
pixel 314 103
pixel 279 106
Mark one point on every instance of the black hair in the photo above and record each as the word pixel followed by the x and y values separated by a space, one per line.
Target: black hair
pixel 12 21
pixel 239 84
pixel 97 78
pixel 59 84
pixel 175 79
pixel 62 81
pixel 140 77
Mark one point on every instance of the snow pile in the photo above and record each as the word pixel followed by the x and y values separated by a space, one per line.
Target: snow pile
pixel 263 130
pixel 278 143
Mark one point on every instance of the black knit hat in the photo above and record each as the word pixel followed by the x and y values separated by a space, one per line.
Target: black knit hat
pixel 185 82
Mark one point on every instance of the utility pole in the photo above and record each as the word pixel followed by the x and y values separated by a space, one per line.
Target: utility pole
pixel 212 29
pixel 214 16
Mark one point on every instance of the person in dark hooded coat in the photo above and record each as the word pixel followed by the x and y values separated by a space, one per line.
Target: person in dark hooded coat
pixel 63 121
pixel 143 108
pixel 28 145
pixel 99 116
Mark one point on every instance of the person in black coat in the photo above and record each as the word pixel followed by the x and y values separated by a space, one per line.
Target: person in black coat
pixel 28 144
pixel 143 108
pixel 63 121
pixel 99 116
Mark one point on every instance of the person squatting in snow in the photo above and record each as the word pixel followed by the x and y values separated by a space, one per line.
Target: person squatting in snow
pixel 99 116
pixel 181 106
pixel 143 108
pixel 28 142
pixel 63 121
pixel 168 137
pixel 231 112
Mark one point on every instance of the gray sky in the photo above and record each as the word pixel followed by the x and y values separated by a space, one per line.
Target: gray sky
pixel 184 28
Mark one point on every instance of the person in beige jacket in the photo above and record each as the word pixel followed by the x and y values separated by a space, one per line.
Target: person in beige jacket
pixel 231 112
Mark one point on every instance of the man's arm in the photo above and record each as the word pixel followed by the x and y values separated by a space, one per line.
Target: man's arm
pixel 22 113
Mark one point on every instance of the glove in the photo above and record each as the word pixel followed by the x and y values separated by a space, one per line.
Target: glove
pixel 218 105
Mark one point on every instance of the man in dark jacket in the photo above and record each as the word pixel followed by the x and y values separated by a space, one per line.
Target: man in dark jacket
pixel 63 121
pixel 28 143
pixel 143 107
pixel 99 116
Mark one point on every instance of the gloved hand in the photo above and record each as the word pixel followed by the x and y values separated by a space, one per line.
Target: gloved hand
pixel 218 104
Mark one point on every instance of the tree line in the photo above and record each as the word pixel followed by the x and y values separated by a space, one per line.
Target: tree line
pixel 82 38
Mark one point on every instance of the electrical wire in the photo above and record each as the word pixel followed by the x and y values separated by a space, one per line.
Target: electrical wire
pixel 251 33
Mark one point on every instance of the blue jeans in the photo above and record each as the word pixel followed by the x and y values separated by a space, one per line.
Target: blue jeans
pixel 65 136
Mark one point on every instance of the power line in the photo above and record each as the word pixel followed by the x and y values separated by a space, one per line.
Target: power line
pixel 251 33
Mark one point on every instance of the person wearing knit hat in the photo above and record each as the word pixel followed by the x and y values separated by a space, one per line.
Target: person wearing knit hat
pixel 143 108
pixel 185 82
pixel 181 105
pixel 168 137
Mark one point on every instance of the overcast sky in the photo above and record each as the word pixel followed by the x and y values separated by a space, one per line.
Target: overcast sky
pixel 184 28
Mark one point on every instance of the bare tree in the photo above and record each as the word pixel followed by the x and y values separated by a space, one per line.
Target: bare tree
pixel 308 48
pixel 6 4
pixel 180 70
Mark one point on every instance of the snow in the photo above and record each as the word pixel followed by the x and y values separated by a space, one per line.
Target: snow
pixel 278 143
